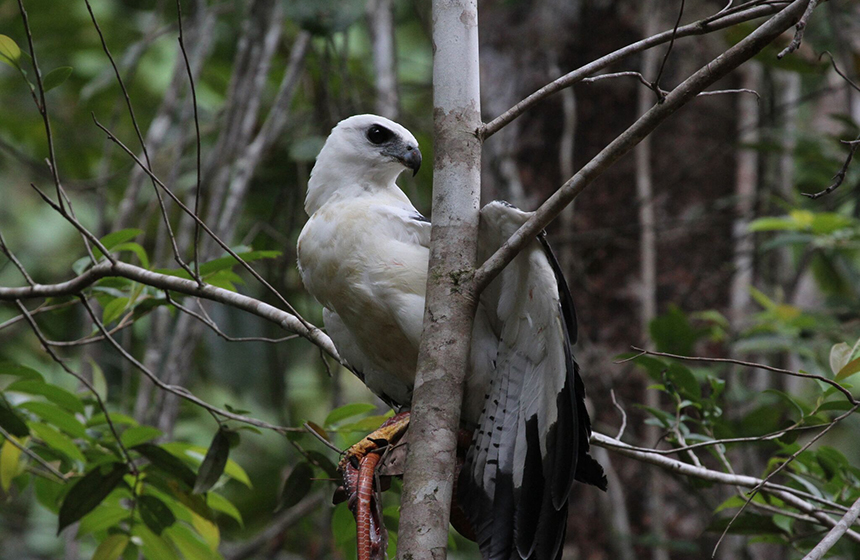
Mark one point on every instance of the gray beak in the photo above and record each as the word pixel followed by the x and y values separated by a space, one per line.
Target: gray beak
pixel 411 158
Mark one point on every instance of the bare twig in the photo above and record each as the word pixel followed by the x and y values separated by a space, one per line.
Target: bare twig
pixel 795 498
pixel 782 466
pixel 680 96
pixel 174 389
pixel 11 256
pixel 724 91
pixel 197 130
pixel 84 381
pixel 206 228
pixel 821 378
pixel 799 28
pixel 656 84
pixel 623 415
pixel 739 14
pixel 271 313
pixel 324 441
pixel 41 309
pixel 140 139
pixel 835 534
pixel 32 454
pixel 840 175
pixel 204 318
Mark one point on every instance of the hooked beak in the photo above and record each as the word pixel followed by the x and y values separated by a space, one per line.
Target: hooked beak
pixel 411 158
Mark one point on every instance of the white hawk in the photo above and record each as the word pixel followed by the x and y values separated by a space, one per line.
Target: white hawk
pixel 363 254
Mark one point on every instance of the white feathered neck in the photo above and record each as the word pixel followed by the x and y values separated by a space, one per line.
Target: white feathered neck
pixel 349 166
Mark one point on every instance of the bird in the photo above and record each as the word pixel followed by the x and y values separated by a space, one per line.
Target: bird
pixel 364 254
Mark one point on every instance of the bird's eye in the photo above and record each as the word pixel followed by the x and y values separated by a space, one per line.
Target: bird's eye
pixel 378 134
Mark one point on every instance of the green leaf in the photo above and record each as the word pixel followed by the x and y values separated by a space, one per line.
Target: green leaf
pixel 56 77
pixel 17 370
pixel 190 545
pixel 196 454
pixel 673 333
pixel 347 411
pixel 114 238
pixel 116 418
pixel 10 455
pixel 139 434
pixel 111 548
pixel 167 462
pixel 56 440
pixel 222 263
pixel 685 381
pixel 102 517
pixel 89 492
pixel 774 224
pixel 213 464
pixel 100 385
pixel 154 547
pixel 114 310
pixel 55 394
pixel 56 417
pixel 155 513
pixel 9 51
pixel 297 486
pixel 849 369
pixel 840 355
pixel 135 248
pixel 219 503
pixel 11 422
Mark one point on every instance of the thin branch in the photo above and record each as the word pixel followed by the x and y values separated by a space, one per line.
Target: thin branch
pixel 11 256
pixel 197 130
pixel 835 534
pixel 839 178
pixel 745 12
pixel 32 454
pixel 175 389
pixel 41 105
pixel 680 96
pixel 792 496
pixel 140 139
pixel 41 309
pixel 83 380
pixel 206 228
pixel 106 269
pixel 782 466
pixel 656 84
pixel 821 378
pixel 799 28
pixel 204 318
pixel 724 91
pixel 623 415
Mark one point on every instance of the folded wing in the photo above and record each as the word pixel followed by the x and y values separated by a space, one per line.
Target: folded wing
pixel 532 435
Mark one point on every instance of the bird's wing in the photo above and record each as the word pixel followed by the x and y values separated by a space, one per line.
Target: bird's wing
pixel 532 438
pixel 387 387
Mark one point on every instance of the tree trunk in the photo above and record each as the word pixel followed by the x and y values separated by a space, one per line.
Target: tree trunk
pixel 449 312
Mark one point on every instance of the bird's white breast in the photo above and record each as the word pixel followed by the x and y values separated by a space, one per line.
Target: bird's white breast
pixel 363 263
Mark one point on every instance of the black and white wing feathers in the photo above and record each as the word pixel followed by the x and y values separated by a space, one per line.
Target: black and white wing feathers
pixel 532 436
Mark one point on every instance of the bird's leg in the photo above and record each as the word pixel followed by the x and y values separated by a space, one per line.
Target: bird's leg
pixel 358 466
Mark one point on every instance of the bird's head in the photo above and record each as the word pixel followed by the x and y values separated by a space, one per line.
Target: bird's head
pixel 366 151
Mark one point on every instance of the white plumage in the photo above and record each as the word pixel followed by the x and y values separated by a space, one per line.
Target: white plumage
pixel 363 254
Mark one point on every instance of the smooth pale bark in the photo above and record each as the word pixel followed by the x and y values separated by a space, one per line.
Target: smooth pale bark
pixel 449 312
pixel 380 21
pixel 655 504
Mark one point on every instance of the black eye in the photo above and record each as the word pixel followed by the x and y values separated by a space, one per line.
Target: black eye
pixel 379 134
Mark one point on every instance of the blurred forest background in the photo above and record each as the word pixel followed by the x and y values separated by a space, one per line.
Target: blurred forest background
pixel 700 244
